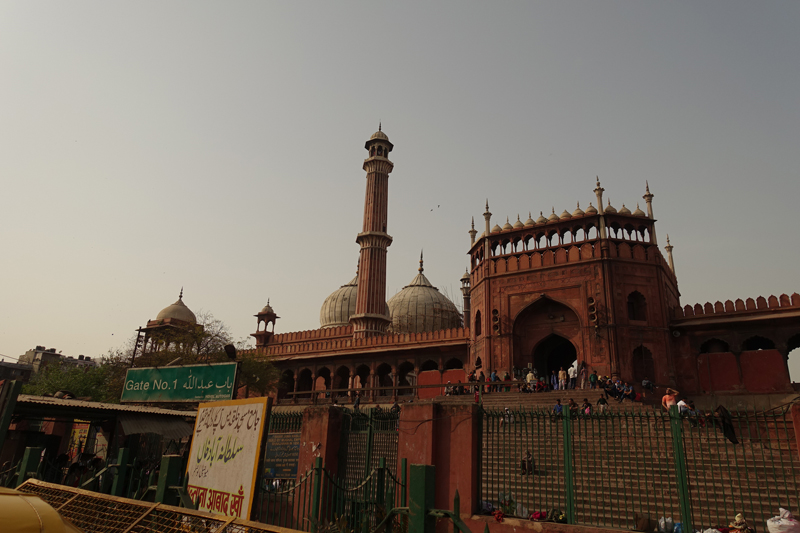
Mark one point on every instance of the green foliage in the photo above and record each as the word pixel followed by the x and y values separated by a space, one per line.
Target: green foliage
pixel 93 383
pixel 104 382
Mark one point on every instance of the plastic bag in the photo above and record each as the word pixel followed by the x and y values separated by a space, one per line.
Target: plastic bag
pixel 678 528
pixel 666 525
pixel 783 523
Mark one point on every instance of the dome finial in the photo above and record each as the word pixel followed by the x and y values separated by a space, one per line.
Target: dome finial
pixel 379 125
pixel 420 269
pixel 180 296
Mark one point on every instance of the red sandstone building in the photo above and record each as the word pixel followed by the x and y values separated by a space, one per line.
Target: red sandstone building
pixel 591 285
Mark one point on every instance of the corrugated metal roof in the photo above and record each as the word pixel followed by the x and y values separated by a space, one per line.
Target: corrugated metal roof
pixel 82 404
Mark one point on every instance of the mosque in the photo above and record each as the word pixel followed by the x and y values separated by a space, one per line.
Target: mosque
pixel 589 285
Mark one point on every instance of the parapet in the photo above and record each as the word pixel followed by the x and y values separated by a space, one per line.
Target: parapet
pixel 748 306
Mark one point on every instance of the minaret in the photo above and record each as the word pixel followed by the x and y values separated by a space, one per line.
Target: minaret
pixel 648 197
pixel 487 216
pixel 598 192
pixel 370 318
pixel 669 248
pixel 472 233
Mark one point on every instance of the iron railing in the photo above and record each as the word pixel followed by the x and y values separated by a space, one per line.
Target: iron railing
pixel 285 422
pixel 367 436
pixel 612 469
pixel 319 498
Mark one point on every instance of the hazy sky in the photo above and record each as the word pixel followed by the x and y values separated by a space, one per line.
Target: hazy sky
pixel 146 146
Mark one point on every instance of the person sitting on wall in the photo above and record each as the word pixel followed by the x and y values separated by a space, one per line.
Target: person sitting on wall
pixel 558 408
pixel 540 385
pixel 586 408
pixel 620 391
pixel 448 390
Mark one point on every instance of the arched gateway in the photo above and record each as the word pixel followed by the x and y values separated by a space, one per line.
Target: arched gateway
pixel 546 336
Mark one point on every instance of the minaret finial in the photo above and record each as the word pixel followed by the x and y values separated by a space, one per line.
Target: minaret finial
pixel 667 238
pixel 180 297
pixel 420 262
pixel 487 204
pixel 647 186
pixel 473 222
pixel 598 180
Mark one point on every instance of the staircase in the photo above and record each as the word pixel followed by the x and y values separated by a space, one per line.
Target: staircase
pixel 623 464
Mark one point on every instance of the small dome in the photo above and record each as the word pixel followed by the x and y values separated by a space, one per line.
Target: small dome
pixel 267 309
pixel 591 210
pixel 639 212
pixel 178 311
pixel 421 307
pixel 609 208
pixel 507 226
pixel 530 221
pixel 541 219
pixel 496 229
pixel 578 212
pixel 565 215
pixel 339 306
pixel 379 135
pixel 624 210
pixel 518 224
pixel 465 277
pixel 553 217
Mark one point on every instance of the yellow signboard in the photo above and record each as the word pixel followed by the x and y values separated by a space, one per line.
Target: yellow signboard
pixel 223 462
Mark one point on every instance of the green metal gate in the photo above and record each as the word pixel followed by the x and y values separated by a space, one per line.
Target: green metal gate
pixel 367 436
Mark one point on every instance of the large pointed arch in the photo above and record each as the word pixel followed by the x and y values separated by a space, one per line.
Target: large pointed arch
pixel 536 322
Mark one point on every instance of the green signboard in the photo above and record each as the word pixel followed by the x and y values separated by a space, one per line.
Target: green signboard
pixel 190 383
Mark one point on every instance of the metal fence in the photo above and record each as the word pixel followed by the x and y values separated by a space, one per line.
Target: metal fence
pixel 319 498
pixel 614 469
pixel 367 436
pixel 100 513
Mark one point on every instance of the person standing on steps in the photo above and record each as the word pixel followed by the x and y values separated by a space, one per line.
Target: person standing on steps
pixel 593 380
pixel 669 399
pixel 572 373
pixel 582 375
pixel 554 381
pixel 562 379
pixel 602 405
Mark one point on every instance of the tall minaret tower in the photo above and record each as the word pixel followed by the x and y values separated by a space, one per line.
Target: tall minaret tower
pixel 370 318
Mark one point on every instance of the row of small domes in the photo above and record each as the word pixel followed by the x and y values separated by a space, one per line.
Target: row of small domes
pixel 591 210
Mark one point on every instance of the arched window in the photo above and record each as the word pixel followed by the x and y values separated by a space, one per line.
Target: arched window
pixel 714 346
pixel 757 343
pixel 637 306
pixel 477 323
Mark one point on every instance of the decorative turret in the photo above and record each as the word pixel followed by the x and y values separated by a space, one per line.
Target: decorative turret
pixel 472 232
pixel 487 216
pixel 265 317
pixel 465 284
pixel 648 198
pixel 598 192
pixel 370 317
pixel 668 248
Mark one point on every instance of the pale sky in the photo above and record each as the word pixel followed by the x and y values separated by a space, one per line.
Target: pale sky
pixel 149 146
